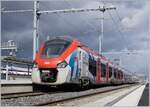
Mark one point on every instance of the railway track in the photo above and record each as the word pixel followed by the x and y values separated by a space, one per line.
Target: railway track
pixel 33 93
pixel 55 97
pixel 55 102
pixel 27 94
pixel 17 95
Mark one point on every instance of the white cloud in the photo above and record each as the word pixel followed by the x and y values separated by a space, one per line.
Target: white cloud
pixel 137 19
pixel 24 35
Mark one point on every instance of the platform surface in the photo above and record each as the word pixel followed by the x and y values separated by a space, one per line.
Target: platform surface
pixel 144 101
pixel 132 99
pixel 23 81
pixel 16 86
pixel 110 100
pixel 128 97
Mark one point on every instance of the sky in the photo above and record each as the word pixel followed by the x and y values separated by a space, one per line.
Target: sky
pixel 125 28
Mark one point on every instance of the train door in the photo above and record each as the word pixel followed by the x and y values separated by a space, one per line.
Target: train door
pixel 98 71
pixel 118 76
pixel 103 72
pixel 110 70
pixel 79 63
pixel 84 64
pixel 115 75
pixel 123 76
pixel 93 67
pixel 106 72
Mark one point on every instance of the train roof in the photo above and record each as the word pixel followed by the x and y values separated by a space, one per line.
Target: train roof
pixel 66 38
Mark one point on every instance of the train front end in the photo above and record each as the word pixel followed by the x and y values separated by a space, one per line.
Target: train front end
pixel 51 62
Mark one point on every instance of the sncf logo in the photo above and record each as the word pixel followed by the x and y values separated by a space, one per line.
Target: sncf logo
pixel 46 62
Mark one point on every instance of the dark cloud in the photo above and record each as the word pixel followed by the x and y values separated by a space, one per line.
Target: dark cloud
pixel 17 5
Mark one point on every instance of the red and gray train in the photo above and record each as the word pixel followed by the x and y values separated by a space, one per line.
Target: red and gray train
pixel 67 61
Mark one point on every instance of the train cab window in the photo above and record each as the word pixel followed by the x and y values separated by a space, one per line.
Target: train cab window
pixel 54 48
pixel 92 66
pixel 103 70
pixel 110 72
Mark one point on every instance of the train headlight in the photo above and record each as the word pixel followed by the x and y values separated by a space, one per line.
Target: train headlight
pixel 35 65
pixel 62 64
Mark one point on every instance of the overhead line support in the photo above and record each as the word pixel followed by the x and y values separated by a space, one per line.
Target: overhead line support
pixel 37 13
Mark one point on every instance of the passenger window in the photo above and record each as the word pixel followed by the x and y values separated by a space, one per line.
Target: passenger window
pixel 103 70
pixel 80 55
pixel 115 73
pixel 110 72
pixel 121 75
pixel 118 74
pixel 92 66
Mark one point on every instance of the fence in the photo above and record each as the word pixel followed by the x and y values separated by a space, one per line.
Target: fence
pixel 12 68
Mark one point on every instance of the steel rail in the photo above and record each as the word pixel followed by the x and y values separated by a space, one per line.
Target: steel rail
pixel 24 94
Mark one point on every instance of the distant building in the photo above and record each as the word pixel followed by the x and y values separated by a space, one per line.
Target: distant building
pixel 11 66
pixel 8 48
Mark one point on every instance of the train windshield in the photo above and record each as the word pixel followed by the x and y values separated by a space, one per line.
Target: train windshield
pixel 54 48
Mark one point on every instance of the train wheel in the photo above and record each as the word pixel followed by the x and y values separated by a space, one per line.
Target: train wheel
pixel 80 86
pixel 36 87
pixel 87 84
pixel 41 88
pixel 84 84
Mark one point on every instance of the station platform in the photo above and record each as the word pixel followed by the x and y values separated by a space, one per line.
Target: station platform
pixel 132 99
pixel 21 81
pixel 136 96
pixel 16 86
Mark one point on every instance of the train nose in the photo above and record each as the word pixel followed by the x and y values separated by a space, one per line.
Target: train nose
pixel 49 75
pixel 48 63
